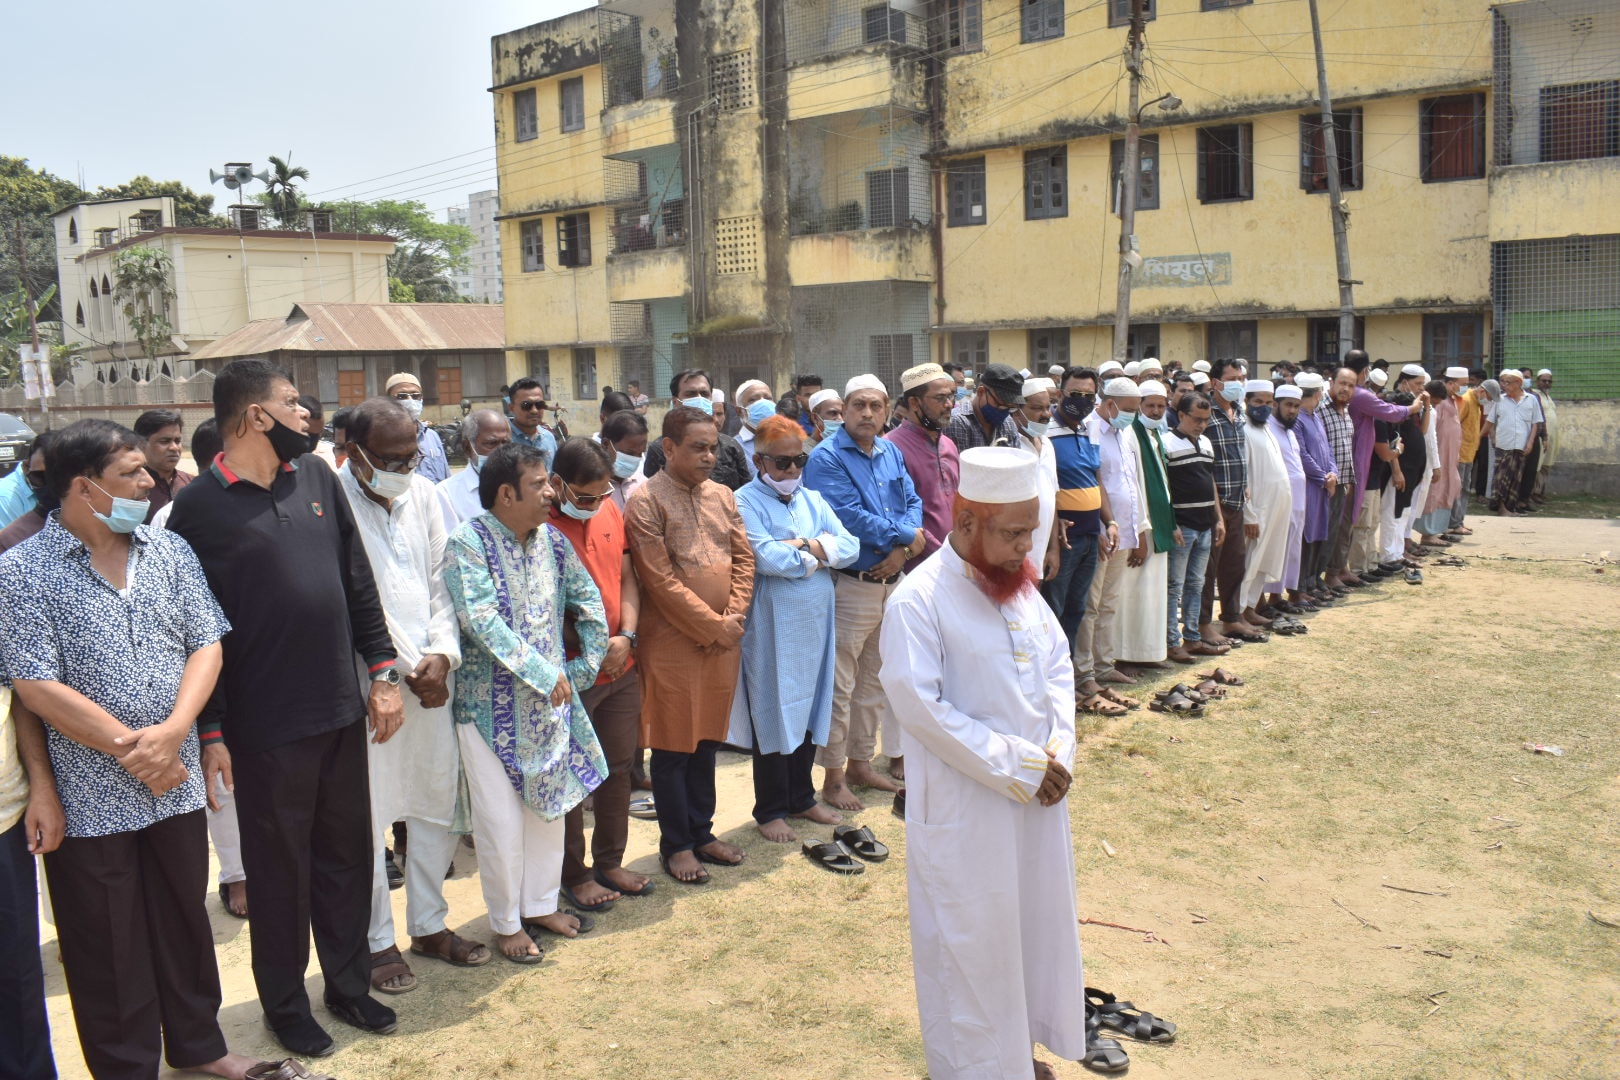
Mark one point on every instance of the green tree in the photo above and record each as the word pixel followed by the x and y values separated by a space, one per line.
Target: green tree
pixel 280 193
pixel 28 198
pixel 426 253
pixel 190 208
pixel 143 282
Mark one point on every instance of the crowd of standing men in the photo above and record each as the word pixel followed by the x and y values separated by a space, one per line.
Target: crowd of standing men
pixel 317 648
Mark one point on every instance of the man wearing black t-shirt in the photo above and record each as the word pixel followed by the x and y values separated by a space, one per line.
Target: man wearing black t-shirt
pixel 287 721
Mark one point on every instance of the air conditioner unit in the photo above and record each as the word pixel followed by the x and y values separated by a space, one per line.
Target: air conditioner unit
pixel 245 217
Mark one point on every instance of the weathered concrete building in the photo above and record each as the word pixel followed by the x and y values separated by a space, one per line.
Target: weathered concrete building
pixel 840 186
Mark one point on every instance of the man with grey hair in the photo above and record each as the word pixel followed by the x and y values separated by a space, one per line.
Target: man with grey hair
pixel 482 430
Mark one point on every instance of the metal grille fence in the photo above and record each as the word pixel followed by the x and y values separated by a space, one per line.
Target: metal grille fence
pixel 1557 306
pixel 820 28
pixel 858 170
pixel 875 327
pixel 1557 87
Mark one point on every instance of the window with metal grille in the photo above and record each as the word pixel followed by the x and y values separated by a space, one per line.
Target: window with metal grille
pixel 1043 19
pixel 1324 337
pixel 525 115
pixel 1142 341
pixel 1046 187
pixel 1119 11
pixel 1216 5
pixel 533 243
pixel 1451 135
pixel 539 365
pixel 571 98
pixel 574 240
pixel 888 198
pixel 584 374
pixel 1232 340
pixel 965 187
pixel 1453 340
pixel 1226 163
pixel 890 354
pixel 883 22
pixel 1147 172
pixel 964 26
pixel 1580 120
pixel 1048 347
pixel 971 349
pixel 1313 166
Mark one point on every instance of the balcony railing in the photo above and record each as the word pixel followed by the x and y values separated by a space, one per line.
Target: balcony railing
pixel 822 28
pixel 641 227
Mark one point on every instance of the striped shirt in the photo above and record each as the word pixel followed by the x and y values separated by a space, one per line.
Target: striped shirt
pixel 1225 435
pixel 1191 465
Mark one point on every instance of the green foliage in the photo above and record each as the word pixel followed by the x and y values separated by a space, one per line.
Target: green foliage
pixel 190 208
pixel 143 283
pixel 400 293
pixel 428 251
pixel 281 195
pixel 28 197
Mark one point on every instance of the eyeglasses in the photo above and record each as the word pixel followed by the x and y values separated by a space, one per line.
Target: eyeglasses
pixel 940 399
pixel 784 463
pixel 395 465
pixel 579 498
pixel 532 406
pixel 403 394
pixel 1077 393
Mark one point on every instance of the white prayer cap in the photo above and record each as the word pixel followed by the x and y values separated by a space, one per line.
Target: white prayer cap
pixel 1056 370
pixel 1288 392
pixel 998 474
pixel 1150 363
pixel 1309 380
pixel 1547 371
pixel 864 382
pixel 718 396
pixel 1201 365
pixel 1462 373
pixel 1109 365
pixel 1153 388
pixel 1258 386
pixel 1377 376
pixel 1121 387
pixel 1511 373
pixel 1041 385
pixel 749 385
pixel 821 397
pixel 1199 378
pixel 1133 369
pixel 1411 370
pixel 921 375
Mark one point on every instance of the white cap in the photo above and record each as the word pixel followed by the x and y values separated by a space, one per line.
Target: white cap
pixel 1133 369
pixel 749 385
pixel 864 382
pixel 1288 392
pixel 1121 387
pixel 1107 366
pixel 1512 373
pixel 1150 363
pixel 1200 378
pixel 1040 385
pixel 1462 373
pixel 1258 386
pixel 1377 376
pixel 1547 371
pixel 1153 388
pixel 1411 370
pixel 998 474
pixel 718 396
pixel 821 397
pixel 1056 370
pixel 1309 380
pixel 921 375
pixel 1201 365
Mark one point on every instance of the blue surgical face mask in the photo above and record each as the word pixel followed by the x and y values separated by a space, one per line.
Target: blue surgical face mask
pixel 1037 430
pixel 831 427
pixel 1232 391
pixel 700 403
pixel 1156 425
pixel 625 465
pixel 962 393
pixel 760 411
pixel 474 462
pixel 577 514
pixel 1121 420
pixel 126 513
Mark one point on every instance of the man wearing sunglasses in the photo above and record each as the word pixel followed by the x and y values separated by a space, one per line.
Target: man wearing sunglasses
pixel 528 410
pixel 405 389
pixel 987 418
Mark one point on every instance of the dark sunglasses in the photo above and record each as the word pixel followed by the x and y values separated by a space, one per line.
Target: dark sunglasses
pixel 786 462
pixel 532 406
pixel 581 499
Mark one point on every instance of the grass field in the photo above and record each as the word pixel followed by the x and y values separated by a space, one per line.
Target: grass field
pixel 1350 868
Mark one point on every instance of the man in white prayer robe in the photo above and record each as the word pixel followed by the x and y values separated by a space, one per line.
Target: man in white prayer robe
pixel 1270 506
pixel 978 673
pixel 1284 413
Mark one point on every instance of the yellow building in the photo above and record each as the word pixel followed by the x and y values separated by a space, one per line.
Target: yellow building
pixel 838 186
pixel 223 278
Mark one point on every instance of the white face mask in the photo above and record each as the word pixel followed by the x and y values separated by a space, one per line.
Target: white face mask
pixel 785 487
pixel 412 406
pixel 386 485
pixel 625 465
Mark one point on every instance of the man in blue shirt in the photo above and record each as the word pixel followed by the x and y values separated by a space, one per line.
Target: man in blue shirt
pixel 528 409
pixel 405 389
pixel 864 480
pixel 1082 508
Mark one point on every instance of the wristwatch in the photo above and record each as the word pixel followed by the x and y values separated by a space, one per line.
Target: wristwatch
pixel 389 675
pixel 630 636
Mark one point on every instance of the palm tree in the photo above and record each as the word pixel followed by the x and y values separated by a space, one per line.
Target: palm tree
pixel 279 192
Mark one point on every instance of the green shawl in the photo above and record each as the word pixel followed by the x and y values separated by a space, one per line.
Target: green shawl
pixel 1156 483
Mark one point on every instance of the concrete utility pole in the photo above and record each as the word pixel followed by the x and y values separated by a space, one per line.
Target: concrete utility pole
pixel 33 329
pixel 1129 179
pixel 1340 214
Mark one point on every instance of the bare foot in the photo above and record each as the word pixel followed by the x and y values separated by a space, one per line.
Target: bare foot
pixel 558 922
pixel 723 852
pixel 861 774
pixel 778 831
pixel 591 893
pixel 835 792
pixel 518 944
pixel 626 880
pixel 684 866
pixel 236 898
pixel 232 1065
pixel 1118 677
pixel 1209 636
pixel 1088 689
pixel 897 768
pixel 1043 1071
pixel 819 814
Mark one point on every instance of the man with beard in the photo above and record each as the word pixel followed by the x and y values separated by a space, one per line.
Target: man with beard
pixel 1267 514
pixel 1284 415
pixel 988 721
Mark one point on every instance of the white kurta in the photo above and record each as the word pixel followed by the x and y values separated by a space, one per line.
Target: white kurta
pixel 1046 487
pixel 1270 505
pixel 415 773
pixel 981 694
pixel 458 498
pixel 1144 591
pixel 1288 443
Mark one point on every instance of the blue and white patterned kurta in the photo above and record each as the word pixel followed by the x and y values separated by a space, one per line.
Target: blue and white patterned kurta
pixel 789 648
pixel 60 621
pixel 510 597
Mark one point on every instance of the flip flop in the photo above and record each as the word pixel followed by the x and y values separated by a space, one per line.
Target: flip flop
pixel 861 841
pixel 607 883
pixel 1177 704
pixel 644 808
pixel 225 902
pixel 1222 677
pixel 832 856
pixel 586 925
pixel 1127 1019
pixel 712 860
pixel 1243 635
pixel 287 1069
pixel 1211 689
pixel 600 905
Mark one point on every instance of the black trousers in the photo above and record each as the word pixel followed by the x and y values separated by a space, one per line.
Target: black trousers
pixel 782 782
pixel 25 1032
pixel 305 813
pixel 137 948
pixel 683 791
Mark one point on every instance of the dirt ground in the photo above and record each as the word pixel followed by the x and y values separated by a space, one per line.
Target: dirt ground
pixel 1349 868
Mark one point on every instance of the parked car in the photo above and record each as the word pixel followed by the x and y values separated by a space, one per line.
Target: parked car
pixel 15 438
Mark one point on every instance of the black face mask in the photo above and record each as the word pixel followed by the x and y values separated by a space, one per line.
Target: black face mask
pixel 287 443
pixel 1075 409
pixel 1259 414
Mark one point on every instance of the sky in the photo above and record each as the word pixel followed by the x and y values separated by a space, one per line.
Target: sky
pixel 376 100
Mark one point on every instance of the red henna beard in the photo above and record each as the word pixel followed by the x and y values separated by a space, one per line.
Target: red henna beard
pixel 998 583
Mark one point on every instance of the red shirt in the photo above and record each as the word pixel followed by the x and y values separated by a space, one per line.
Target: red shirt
pixel 601 545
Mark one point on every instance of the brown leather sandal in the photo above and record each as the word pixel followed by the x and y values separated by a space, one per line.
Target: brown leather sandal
pixel 452 948
pixel 389 964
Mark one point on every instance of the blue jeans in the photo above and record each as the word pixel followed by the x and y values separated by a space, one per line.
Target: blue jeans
pixel 1066 592
pixel 1188 560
